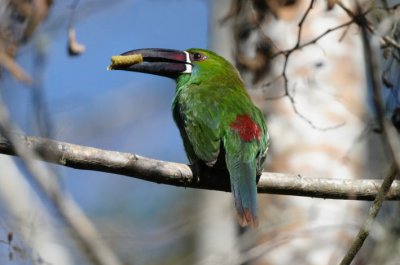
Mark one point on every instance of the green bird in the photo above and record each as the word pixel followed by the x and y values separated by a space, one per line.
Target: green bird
pixel 219 124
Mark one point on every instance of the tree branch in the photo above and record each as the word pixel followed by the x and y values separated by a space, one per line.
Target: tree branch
pixel 127 164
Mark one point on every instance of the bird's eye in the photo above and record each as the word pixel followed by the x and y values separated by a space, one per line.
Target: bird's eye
pixel 198 57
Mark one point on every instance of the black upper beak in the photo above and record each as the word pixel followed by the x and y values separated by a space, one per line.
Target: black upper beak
pixel 164 62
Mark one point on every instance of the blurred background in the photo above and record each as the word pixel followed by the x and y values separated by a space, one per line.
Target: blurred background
pixel 318 110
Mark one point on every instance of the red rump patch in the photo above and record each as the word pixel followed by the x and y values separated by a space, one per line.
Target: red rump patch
pixel 248 130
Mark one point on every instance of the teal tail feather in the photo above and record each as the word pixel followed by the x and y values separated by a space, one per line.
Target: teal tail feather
pixel 244 189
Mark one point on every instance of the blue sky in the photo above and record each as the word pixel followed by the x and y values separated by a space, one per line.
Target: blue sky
pixel 85 100
pixel 122 111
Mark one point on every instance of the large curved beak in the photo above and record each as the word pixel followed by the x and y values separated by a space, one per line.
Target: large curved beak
pixel 164 62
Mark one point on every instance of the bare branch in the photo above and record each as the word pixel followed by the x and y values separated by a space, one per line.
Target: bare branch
pixel 127 164
pixel 300 25
pixel 287 53
pixel 14 68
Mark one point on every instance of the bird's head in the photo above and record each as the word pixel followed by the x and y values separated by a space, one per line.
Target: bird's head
pixel 193 64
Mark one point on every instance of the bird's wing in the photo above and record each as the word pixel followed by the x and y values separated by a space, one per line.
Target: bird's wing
pixel 202 126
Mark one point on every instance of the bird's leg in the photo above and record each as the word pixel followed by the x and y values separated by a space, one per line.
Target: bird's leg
pixel 211 176
pixel 258 178
pixel 196 169
pixel 203 174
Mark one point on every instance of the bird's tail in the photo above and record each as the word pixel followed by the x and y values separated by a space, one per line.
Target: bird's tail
pixel 244 189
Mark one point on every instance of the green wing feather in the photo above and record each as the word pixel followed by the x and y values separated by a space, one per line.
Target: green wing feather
pixel 199 124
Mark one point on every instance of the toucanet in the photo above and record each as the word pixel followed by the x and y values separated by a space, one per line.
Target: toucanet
pixel 219 124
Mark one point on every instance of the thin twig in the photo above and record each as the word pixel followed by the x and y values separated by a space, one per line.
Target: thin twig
pixel 302 20
pixel 314 40
pixel 287 54
pixel 372 214
pixel 14 68
pixel 131 165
